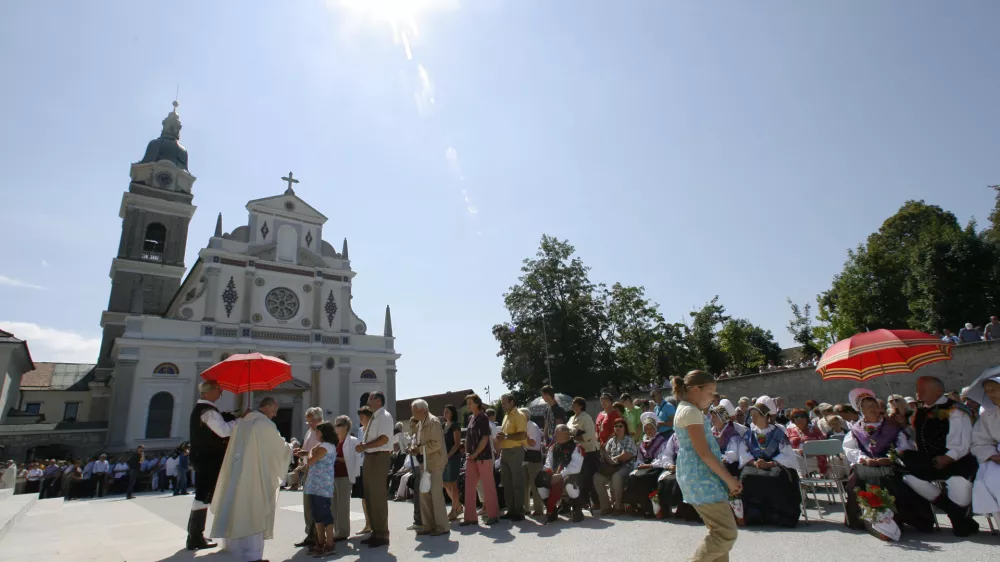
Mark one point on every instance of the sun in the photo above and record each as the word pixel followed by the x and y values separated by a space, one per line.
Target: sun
pixel 397 13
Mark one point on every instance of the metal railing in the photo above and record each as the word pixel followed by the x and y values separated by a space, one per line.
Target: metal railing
pixel 151 256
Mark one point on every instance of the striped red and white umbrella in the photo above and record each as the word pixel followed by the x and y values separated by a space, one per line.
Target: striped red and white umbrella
pixel 882 352
pixel 248 372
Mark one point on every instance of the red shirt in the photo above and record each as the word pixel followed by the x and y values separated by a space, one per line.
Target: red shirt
pixel 340 466
pixel 606 425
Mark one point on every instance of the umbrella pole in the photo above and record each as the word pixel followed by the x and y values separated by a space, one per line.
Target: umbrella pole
pixel 884 376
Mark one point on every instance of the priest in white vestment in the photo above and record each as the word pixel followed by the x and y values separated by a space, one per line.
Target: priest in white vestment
pixel 245 497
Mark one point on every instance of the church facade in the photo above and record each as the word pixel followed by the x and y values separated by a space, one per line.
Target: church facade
pixel 273 285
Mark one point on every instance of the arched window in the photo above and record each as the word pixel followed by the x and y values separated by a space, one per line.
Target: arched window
pixel 154 242
pixel 166 370
pixel 161 416
pixel 288 243
pixel 369 374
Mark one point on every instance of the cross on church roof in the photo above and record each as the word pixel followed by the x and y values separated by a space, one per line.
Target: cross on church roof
pixel 290 179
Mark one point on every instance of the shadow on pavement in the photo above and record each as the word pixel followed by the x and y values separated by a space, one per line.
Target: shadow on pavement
pixel 435 547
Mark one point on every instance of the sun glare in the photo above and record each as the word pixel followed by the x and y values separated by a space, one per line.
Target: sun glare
pixel 397 13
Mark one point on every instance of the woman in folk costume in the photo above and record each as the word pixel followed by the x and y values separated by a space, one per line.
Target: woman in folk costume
pixel 642 480
pixel 668 490
pixel 768 471
pixel 986 444
pixel 867 446
pixel 728 434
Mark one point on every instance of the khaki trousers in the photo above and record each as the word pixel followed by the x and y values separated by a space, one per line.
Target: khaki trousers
pixel 721 537
pixel 617 483
pixel 375 476
pixel 432 512
pixel 531 470
pixel 307 512
pixel 341 507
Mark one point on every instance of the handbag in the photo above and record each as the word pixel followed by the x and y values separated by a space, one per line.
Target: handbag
pixel 425 476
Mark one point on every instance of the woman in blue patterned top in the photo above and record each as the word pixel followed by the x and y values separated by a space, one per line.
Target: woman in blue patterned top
pixel 704 481
pixel 319 487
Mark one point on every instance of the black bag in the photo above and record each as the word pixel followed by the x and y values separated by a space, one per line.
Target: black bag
pixel 531 455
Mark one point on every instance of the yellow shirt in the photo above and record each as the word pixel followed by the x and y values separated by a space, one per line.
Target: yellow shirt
pixel 514 422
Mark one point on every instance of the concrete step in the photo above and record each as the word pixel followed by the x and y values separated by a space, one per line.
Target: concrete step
pixel 13 509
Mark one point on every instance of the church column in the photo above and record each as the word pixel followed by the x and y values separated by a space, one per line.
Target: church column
pixel 319 299
pixel 212 296
pixel 345 393
pixel 297 416
pixel 248 295
pixel 345 318
pixel 316 392
pixel 124 382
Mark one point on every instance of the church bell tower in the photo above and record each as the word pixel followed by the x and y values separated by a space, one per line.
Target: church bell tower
pixel 149 267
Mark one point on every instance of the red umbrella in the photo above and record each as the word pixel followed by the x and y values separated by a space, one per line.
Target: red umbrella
pixel 882 352
pixel 249 372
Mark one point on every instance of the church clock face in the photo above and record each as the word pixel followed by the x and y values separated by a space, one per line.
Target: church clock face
pixel 282 303
pixel 163 179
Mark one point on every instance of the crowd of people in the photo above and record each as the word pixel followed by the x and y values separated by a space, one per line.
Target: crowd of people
pixel 97 476
pixel 694 456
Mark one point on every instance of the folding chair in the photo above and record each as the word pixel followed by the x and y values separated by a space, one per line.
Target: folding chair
pixel 941 484
pixel 807 482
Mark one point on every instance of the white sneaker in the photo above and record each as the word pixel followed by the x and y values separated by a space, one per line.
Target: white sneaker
pixel 415 527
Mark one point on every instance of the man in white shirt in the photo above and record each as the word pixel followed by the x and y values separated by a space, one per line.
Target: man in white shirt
pixel 100 475
pixel 314 417
pixel 377 447
pixel 210 431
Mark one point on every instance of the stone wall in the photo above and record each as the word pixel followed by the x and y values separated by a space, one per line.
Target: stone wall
pixel 799 385
pixel 60 444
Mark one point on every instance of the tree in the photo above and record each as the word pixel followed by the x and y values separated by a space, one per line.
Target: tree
pixel 801 328
pixel 554 286
pixel 734 341
pixel 636 336
pixel 701 338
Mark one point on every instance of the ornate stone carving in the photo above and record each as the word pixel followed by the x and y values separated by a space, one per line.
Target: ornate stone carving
pixel 307 288
pixel 230 296
pixel 259 281
pixel 282 303
pixel 330 308
pixel 264 230
pixel 306 322
pixel 309 239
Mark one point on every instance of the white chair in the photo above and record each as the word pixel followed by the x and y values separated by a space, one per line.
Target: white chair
pixel 812 449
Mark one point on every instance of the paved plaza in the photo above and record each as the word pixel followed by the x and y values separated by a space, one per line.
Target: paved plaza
pixel 152 527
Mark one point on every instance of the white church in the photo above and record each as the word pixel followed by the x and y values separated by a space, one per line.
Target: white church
pixel 272 285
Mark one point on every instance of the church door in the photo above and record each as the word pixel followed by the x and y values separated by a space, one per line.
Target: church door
pixel 284 422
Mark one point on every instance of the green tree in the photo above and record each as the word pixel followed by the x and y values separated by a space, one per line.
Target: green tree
pixel 554 286
pixel 801 328
pixel 922 269
pixel 734 341
pixel 701 338
pixel 633 335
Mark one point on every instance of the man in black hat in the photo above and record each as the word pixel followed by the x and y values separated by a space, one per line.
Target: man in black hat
pixel 210 431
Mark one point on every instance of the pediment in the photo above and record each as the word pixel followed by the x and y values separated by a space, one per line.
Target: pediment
pixel 287 205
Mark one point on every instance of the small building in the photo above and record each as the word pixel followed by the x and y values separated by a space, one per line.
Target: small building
pixel 52 419
pixel 15 360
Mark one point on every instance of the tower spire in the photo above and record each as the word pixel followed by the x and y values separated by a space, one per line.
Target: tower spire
pixel 387 331
pixel 218 226
pixel 343 253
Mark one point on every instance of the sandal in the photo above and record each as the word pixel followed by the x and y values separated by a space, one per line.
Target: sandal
pixel 323 551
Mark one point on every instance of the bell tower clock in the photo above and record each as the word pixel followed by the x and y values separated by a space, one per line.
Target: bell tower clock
pixel 147 272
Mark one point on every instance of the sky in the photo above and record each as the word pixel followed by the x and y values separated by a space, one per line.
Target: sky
pixel 730 148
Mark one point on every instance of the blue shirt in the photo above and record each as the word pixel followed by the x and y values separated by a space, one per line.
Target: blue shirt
pixel 665 413
pixel 182 462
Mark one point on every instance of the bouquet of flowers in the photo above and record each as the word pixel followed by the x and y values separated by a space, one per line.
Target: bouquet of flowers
pixel 654 498
pixel 737 504
pixel 877 506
